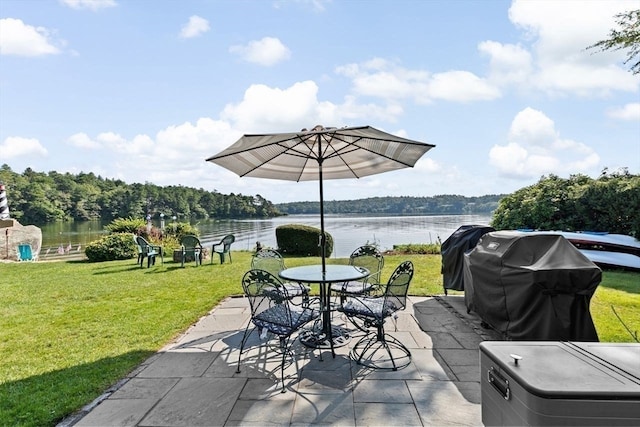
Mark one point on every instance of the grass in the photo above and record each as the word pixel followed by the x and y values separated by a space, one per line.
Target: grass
pixel 70 330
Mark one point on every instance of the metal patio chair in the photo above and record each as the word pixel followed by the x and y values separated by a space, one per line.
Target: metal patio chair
pixel 377 349
pixel 272 261
pixel 366 256
pixel 273 311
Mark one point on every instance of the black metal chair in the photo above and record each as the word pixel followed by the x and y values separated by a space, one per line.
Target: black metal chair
pixel 191 249
pixel 149 251
pixel 370 258
pixel 377 349
pixel 270 260
pixel 223 247
pixel 273 311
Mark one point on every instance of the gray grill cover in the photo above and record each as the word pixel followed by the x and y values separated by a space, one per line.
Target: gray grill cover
pixel 531 287
pixel 453 249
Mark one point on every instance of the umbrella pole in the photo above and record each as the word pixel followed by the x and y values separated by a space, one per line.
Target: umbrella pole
pixel 323 240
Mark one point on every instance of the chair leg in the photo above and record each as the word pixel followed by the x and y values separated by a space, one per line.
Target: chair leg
pixel 242 343
pixel 283 347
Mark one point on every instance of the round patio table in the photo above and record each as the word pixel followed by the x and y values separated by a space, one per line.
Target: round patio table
pixel 327 336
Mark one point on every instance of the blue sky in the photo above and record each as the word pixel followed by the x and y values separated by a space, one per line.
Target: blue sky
pixel 145 91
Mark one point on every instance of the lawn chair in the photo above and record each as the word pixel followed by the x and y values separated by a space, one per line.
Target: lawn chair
pixel 25 252
pixel 223 247
pixel 378 349
pixel 149 251
pixel 191 249
pixel 273 312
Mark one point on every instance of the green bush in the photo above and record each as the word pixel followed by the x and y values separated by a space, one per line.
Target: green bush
pixel 125 225
pixel 179 229
pixel 114 246
pixel 301 240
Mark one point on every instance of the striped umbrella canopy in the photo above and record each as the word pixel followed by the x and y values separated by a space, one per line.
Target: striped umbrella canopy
pixel 318 154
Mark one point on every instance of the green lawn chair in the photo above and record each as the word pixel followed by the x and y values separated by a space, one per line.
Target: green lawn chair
pixel 191 249
pixel 223 247
pixel 149 251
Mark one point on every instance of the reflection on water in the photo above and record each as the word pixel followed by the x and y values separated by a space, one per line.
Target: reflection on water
pixel 348 232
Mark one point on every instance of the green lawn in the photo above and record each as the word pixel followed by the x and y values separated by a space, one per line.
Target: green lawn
pixel 69 330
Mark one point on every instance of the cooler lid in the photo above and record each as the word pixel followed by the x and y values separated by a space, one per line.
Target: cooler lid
pixel 554 369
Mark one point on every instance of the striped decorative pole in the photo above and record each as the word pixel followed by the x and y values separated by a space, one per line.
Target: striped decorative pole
pixel 4 206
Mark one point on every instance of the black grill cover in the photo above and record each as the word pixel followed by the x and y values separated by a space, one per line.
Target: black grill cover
pixel 452 251
pixel 531 287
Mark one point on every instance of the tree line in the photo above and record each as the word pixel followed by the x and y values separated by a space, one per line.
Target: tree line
pixel 610 202
pixel 40 198
pixel 446 204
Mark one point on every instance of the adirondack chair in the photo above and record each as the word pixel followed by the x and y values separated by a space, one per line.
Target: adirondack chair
pixel 149 251
pixel 223 247
pixel 191 249
pixel 25 253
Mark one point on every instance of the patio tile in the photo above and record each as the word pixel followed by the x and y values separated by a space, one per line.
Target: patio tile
pixel 145 388
pixel 177 364
pixel 117 412
pixel 263 412
pixel 381 391
pixel 196 402
pixel 441 403
pixel 334 408
pixel 386 414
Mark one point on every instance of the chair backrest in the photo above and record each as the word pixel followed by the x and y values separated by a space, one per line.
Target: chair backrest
pixel 268 260
pixel 370 258
pixel 190 242
pixel 25 253
pixel 143 245
pixel 395 294
pixel 227 241
pixel 265 292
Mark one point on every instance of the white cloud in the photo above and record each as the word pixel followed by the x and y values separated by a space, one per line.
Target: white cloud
pixel 508 63
pixel 20 39
pixel 560 32
pixel 267 52
pixel 15 146
pixel 266 109
pixel 629 111
pixel 384 79
pixel 82 140
pixel 535 148
pixel 89 4
pixel 194 28
pixel 461 86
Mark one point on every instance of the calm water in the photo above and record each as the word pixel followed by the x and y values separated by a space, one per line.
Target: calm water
pixel 348 232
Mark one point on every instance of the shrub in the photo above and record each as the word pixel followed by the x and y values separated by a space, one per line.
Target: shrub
pixel 114 246
pixel 179 229
pixel 301 240
pixel 416 249
pixel 125 225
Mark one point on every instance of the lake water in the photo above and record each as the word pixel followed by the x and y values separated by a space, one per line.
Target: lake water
pixel 348 232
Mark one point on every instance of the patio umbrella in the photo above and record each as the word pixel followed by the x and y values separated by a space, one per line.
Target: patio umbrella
pixel 318 154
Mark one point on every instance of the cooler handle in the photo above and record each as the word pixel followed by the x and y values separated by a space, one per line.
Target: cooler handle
pixel 500 383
